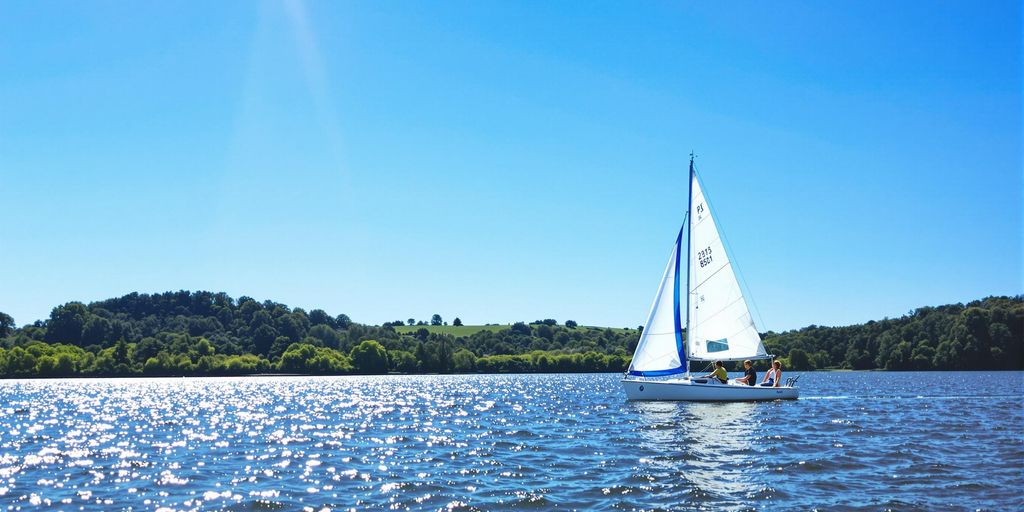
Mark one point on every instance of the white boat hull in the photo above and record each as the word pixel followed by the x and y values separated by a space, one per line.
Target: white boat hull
pixel 704 390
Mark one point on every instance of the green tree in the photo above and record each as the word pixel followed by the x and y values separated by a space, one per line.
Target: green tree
pixel 571 324
pixel 161 364
pixel 291 326
pixel 280 344
pixel 147 348
pixel 204 347
pixel 6 325
pixel 305 358
pixel 65 364
pixel 369 357
pixel 320 317
pixel 819 360
pixel 263 339
pixel 327 336
pixel 900 357
pixel 521 328
pixel 95 331
pixel 402 361
pixel 858 359
pixel 798 360
pixel 543 363
pixel 947 356
pixel 46 366
pixel 921 357
pixel 66 322
pixel 121 352
pixel 1006 351
pixel 343 321
pixel 436 319
pixel 296 357
pixel 463 361
pixel 457 322
pixel 425 358
pixel 545 331
pixel 20 361
pixel 444 355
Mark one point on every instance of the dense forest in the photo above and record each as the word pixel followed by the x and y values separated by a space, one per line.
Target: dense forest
pixel 986 334
pixel 204 333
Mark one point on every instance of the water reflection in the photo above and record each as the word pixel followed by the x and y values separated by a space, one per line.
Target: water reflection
pixel 498 442
pixel 708 446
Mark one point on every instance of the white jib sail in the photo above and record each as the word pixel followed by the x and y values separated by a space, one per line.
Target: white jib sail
pixel 658 351
pixel 720 327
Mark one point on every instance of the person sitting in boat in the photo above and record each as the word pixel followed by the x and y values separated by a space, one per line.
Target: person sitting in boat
pixel 719 373
pixel 749 375
pixel 773 376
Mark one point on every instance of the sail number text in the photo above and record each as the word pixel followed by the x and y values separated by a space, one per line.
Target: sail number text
pixel 704 257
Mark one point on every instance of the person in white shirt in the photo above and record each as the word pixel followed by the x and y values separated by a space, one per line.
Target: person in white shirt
pixel 773 376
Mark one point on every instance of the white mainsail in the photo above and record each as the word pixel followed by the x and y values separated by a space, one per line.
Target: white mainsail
pixel 720 326
pixel 659 351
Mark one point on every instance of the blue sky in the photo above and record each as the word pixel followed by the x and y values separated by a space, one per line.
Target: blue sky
pixel 504 161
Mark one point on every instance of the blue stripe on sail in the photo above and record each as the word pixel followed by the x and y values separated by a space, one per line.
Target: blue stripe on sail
pixel 679 325
pixel 658 373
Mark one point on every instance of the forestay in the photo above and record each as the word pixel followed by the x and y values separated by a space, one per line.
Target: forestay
pixel 720 326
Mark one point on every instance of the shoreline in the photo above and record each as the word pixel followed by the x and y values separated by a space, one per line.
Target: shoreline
pixel 396 374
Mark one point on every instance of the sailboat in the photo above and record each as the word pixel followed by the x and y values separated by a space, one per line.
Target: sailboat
pixel 698 292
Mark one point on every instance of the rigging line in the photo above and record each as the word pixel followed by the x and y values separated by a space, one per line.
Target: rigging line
pixel 728 248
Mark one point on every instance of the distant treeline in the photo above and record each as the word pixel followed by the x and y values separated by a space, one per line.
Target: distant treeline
pixel 204 333
pixel 987 334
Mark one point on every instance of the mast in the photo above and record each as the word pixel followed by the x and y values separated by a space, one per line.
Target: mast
pixel 689 237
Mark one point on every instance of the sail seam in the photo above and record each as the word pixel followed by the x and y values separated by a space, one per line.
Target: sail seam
pixel 713 274
pixel 703 320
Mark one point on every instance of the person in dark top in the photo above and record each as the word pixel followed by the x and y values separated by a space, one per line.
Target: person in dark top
pixel 749 375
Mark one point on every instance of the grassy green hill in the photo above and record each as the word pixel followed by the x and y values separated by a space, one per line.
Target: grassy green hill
pixel 457 331
pixel 469 330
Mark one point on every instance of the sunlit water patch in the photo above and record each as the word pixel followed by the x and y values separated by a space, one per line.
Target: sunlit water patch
pixel 907 441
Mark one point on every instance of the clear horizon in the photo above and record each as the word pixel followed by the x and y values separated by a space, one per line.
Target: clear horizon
pixel 509 162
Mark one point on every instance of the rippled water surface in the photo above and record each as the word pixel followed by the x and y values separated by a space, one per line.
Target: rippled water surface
pixel 905 441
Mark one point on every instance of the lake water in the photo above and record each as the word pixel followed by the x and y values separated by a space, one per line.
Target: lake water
pixel 855 440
